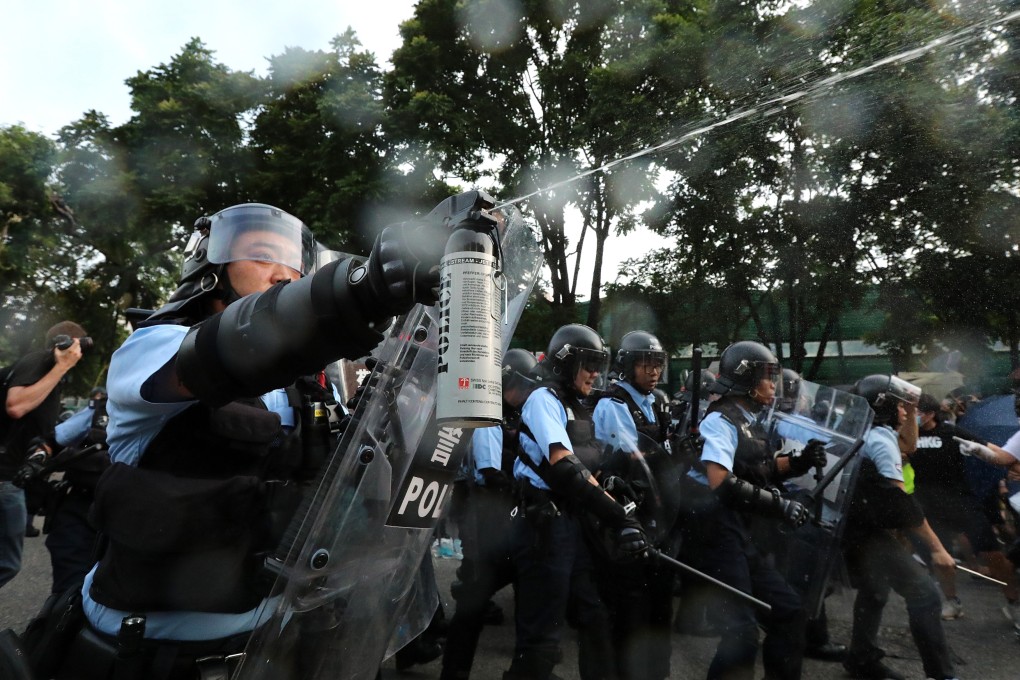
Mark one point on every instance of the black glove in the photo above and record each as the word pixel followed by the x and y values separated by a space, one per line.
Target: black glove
pixel 794 513
pixel 403 267
pixel 495 479
pixel 620 490
pixel 630 540
pixel 812 455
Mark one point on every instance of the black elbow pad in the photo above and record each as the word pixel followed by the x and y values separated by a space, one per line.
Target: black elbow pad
pixel 738 494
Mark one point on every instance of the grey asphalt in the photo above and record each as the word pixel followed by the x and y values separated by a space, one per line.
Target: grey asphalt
pixel 982 642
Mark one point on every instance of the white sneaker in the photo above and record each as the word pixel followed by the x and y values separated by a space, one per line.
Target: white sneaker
pixel 952 608
pixel 1011 610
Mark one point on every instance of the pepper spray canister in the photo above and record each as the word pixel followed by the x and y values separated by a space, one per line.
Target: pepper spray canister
pixel 470 391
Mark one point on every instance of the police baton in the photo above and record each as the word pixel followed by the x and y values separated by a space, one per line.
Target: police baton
pixel 700 574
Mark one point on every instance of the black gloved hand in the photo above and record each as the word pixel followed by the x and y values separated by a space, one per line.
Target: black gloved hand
pixel 620 490
pixel 403 267
pixel 630 540
pixel 495 479
pixel 812 455
pixel 794 513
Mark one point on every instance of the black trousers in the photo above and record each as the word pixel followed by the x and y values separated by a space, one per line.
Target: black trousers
pixel 878 562
pixel 487 568
pixel 717 542
pixel 71 540
pixel 554 569
pixel 639 597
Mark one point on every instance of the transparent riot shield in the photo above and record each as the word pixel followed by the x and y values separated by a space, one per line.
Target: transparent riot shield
pixel 808 555
pixel 349 575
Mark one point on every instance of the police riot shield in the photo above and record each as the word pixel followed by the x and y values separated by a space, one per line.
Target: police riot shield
pixel 352 569
pixel 657 475
pixel 808 555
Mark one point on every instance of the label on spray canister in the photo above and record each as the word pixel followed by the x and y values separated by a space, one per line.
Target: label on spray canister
pixel 470 390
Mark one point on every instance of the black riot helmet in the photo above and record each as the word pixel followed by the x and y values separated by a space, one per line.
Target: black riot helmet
pixel 635 347
pixel 233 234
pixel 882 393
pixel 571 347
pixel 707 378
pixel 791 390
pixel 520 368
pixel 742 366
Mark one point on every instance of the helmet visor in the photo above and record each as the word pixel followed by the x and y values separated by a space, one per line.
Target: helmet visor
pixel 591 360
pixel 648 361
pixel 261 233
pixel 904 391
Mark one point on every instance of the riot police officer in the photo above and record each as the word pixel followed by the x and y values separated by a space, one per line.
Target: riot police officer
pixel 875 557
pixel 487 566
pixel 71 539
pixel 205 435
pixel 737 479
pixel 630 421
pixel 557 489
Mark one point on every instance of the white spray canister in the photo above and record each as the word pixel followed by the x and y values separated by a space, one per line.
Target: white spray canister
pixel 470 390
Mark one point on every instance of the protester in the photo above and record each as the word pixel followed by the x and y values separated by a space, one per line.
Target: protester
pixel 33 405
pixel 940 485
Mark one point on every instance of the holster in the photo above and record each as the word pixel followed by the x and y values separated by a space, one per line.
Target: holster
pixel 95 656
pixel 538 509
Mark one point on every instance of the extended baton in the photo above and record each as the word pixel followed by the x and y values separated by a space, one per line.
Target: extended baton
pixel 978 573
pixel 700 574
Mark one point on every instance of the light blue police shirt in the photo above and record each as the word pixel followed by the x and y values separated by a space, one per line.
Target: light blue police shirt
pixel 720 442
pixel 134 423
pixel 613 423
pixel 486 450
pixel 882 446
pixel 74 429
pixel 547 419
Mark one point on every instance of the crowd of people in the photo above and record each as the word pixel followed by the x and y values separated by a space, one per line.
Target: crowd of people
pixel 585 500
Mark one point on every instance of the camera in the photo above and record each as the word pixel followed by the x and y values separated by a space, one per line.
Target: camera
pixel 65 341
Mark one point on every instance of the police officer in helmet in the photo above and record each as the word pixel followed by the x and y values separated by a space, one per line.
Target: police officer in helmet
pixel 488 564
pixel 875 558
pixel 205 435
pixel 551 557
pixel 639 596
pixel 736 482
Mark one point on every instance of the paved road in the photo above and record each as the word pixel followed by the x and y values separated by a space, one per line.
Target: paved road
pixel 982 641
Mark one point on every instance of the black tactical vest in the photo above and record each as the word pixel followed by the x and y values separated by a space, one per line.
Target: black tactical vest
pixel 656 429
pixel 190 527
pixel 753 461
pixel 580 429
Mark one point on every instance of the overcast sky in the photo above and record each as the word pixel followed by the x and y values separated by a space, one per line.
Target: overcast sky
pixel 61 58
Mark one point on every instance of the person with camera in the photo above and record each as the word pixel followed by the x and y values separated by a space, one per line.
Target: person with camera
pixel 32 407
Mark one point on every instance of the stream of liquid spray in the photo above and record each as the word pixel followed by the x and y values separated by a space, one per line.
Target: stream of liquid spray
pixel 777 104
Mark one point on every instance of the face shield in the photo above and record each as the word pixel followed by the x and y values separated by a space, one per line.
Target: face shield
pixel 591 360
pixel 261 233
pixel 646 360
pixel 902 390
